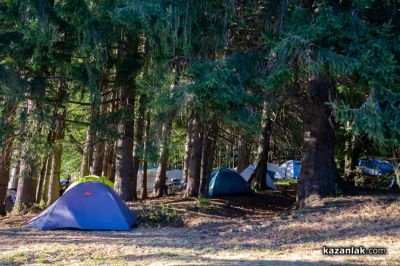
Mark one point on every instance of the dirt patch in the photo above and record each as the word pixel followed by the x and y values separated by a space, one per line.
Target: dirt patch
pixel 248 230
pixel 176 211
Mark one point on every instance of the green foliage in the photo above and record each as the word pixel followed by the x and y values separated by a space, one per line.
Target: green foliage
pixel 338 191
pixel 42 204
pixel 354 48
pixel 218 59
pixel 364 180
pixel 159 216
pixel 202 202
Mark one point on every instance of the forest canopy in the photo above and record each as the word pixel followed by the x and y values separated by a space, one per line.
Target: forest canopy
pixel 109 88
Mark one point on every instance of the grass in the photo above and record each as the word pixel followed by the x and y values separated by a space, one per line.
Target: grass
pixel 14 257
pixel 209 249
pixel 366 221
pixel 160 216
pixel 286 182
pixel 202 202
pixel 168 254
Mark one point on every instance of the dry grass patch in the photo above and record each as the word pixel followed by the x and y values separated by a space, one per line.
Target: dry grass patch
pixel 208 238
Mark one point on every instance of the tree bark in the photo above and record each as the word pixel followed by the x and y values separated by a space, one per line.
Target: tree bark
pixel 39 187
pixel 87 157
pixel 195 146
pixel 29 162
pixel 318 173
pixel 164 152
pixel 98 158
pixel 26 187
pixel 186 156
pixel 124 157
pixel 143 184
pixel 354 148
pixel 87 152
pixel 129 64
pixel 244 155
pixel 6 153
pixel 258 176
pixel 107 158
pixel 207 157
pixel 99 147
pixel 13 183
pixel 139 129
pixel 54 180
pixel 45 191
pixel 60 113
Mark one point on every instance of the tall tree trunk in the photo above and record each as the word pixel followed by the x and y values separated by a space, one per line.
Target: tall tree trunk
pixel 124 157
pixel 13 183
pixel 354 148
pixel 45 191
pixel 207 157
pixel 99 147
pixel 6 152
pixel 29 161
pixel 139 129
pixel 110 174
pixel 195 146
pixel 244 154
pixel 60 113
pixel 26 186
pixel 107 158
pixel 126 70
pixel 98 158
pixel 112 164
pixel 186 156
pixel 259 174
pixel 54 180
pixel 143 184
pixel 87 152
pixel 164 152
pixel 87 157
pixel 318 173
pixel 39 187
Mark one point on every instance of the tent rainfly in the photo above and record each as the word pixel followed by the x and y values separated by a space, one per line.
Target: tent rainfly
pixel 87 206
pixel 246 174
pixel 289 169
pixel 225 181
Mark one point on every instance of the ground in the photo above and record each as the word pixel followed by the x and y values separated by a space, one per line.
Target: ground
pixel 249 230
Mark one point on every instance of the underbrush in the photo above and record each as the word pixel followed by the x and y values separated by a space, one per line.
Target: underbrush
pixel 287 183
pixel 157 216
pixel 370 181
pixel 202 202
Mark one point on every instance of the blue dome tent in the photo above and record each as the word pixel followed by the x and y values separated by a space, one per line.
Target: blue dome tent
pixel 87 206
pixel 225 182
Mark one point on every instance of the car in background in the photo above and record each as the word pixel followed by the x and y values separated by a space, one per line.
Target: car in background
pixel 375 167
pixel 174 185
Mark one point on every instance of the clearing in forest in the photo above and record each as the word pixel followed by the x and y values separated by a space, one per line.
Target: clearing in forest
pixel 260 229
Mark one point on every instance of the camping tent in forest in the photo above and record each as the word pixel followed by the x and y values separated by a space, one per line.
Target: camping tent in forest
pixel 91 178
pixel 225 181
pixel 289 169
pixel 89 206
pixel 272 168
